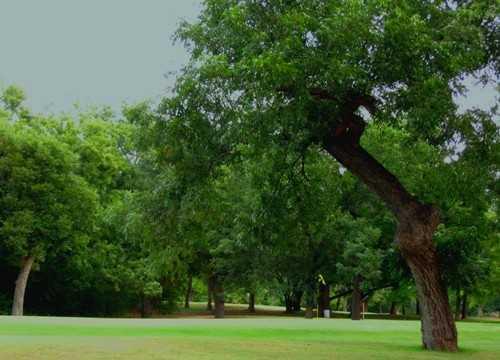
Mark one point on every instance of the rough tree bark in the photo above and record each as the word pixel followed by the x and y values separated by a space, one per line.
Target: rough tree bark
pixel 251 302
pixel 356 299
pixel 218 293
pixel 323 299
pixel 417 221
pixel 189 290
pixel 22 280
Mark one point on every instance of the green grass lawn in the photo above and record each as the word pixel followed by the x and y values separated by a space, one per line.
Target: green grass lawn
pixel 274 338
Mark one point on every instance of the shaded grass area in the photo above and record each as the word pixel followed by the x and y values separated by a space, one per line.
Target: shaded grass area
pixel 235 338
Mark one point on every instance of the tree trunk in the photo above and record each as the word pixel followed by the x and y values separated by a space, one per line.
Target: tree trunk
pixel 458 303
pixel 394 310
pixel 438 328
pixel 21 282
pixel 417 308
pixel 297 300
pixel 309 313
pixel 465 308
pixel 210 287
pixel 288 304
pixel 251 302
pixel 323 299
pixel 417 223
pixel 189 290
pixel 218 292
pixel 356 299
pixel 480 310
pixel 147 307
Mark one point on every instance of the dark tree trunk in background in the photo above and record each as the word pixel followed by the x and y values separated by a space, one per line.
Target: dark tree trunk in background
pixel 337 306
pixel 417 221
pixel 218 292
pixel 146 307
pixel 210 287
pixel 465 308
pixel 323 299
pixel 288 304
pixel 309 313
pixel 417 308
pixel 189 291
pixel 297 300
pixel 356 299
pixel 394 310
pixel 21 282
pixel 251 302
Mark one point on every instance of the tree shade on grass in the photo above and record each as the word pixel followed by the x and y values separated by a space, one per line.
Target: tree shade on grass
pixel 237 338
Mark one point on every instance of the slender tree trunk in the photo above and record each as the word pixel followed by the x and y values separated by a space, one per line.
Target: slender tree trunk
pixel 218 292
pixel 417 223
pixel 465 308
pixel 210 286
pixel 147 307
pixel 309 314
pixel 417 308
pixel 323 299
pixel 189 291
pixel 288 304
pixel 297 300
pixel 337 306
pixel 143 306
pixel 251 302
pixel 394 310
pixel 356 299
pixel 21 282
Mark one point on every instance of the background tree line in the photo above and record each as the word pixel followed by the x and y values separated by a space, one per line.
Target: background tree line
pixel 107 216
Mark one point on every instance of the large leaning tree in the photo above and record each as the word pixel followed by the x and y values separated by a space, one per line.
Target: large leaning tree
pixel 296 73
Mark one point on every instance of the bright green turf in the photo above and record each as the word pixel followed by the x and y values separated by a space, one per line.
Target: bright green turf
pixel 242 338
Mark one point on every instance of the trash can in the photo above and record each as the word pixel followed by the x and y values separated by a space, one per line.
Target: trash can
pixel 326 314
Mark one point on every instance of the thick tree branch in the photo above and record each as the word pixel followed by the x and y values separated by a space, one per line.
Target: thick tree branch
pixel 341 294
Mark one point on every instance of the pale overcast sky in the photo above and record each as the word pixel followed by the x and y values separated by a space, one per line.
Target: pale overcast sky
pixel 109 52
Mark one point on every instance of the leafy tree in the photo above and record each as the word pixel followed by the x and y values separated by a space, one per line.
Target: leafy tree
pixel 46 205
pixel 297 73
pixel 360 261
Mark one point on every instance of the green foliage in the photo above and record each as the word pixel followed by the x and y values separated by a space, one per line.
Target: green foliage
pixel 46 205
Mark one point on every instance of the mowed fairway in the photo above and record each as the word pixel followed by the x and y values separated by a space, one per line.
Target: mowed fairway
pixel 235 338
